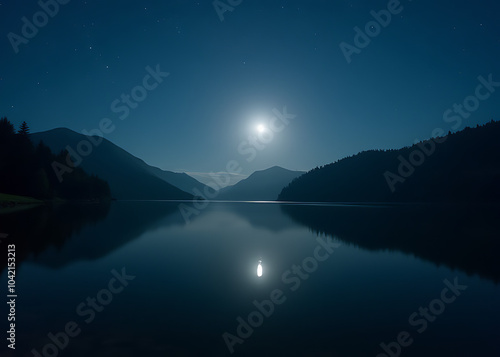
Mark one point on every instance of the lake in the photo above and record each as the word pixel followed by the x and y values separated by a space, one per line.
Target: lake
pixel 135 279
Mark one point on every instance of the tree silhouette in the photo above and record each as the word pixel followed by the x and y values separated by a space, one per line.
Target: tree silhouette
pixel 26 170
pixel 6 128
pixel 24 129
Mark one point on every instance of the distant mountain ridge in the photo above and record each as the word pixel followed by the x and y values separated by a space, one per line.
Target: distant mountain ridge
pixel 128 176
pixel 264 185
pixel 461 167
pixel 179 179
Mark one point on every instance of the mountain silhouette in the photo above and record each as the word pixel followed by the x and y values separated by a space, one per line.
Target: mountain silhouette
pixel 460 167
pixel 179 179
pixel 264 185
pixel 128 176
pixel 28 170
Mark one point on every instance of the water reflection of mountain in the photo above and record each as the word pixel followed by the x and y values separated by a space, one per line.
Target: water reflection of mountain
pixel 55 237
pixel 462 237
pixel 266 216
pixel 125 222
pixel 36 229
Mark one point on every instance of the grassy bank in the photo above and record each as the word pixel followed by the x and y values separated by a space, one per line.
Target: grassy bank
pixel 12 203
pixel 6 198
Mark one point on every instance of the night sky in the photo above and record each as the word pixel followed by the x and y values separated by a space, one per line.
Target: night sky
pixel 226 77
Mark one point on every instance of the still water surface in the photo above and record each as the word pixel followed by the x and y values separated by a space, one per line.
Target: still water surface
pixel 336 280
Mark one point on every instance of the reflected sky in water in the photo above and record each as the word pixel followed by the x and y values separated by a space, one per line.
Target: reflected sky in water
pixel 192 282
